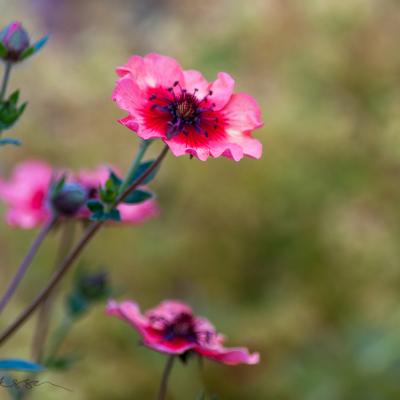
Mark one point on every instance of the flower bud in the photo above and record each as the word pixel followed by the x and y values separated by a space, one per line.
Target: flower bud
pixel 15 40
pixel 69 199
pixel 94 286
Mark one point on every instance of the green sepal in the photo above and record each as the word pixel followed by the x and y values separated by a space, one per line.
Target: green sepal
pixel 30 51
pixel 3 51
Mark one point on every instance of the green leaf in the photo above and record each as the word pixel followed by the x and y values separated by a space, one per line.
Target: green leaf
pixel 138 196
pixel 13 99
pixel 143 167
pixel 5 141
pixel 95 206
pixel 115 178
pixel 113 215
pixel 19 365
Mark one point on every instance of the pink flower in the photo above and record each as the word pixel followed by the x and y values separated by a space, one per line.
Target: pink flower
pixel 188 113
pixel 27 195
pixel 172 328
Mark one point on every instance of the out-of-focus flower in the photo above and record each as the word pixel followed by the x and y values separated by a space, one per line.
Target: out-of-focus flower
pixel 15 43
pixel 172 328
pixel 28 195
pixel 188 113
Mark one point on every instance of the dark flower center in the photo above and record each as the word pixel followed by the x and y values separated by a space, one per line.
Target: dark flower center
pixel 182 326
pixel 186 111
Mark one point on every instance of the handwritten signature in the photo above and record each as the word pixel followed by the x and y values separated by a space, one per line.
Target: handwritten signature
pixel 27 384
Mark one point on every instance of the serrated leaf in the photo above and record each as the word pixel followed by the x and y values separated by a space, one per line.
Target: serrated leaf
pixel 19 365
pixel 138 196
pixel 143 167
pixel 5 141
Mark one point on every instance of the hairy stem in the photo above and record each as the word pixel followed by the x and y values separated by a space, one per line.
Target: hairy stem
pixel 162 393
pixel 73 255
pixel 43 321
pixel 27 262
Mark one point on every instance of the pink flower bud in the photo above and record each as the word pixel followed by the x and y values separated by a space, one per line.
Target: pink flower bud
pixel 15 40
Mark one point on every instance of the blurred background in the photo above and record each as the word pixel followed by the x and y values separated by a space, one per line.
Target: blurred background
pixel 296 255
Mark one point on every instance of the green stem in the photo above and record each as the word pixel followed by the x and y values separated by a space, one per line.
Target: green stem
pixel 43 321
pixel 6 78
pixel 143 145
pixel 164 381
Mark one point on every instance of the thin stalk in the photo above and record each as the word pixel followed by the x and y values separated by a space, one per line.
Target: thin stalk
pixel 73 255
pixel 27 261
pixel 162 393
pixel 6 78
pixel 43 321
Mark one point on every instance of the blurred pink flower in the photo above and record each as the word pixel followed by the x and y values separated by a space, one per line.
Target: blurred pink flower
pixel 27 195
pixel 172 328
pixel 188 113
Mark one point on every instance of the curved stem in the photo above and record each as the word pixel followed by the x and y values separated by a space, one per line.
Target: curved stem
pixel 69 260
pixel 27 261
pixel 6 78
pixel 43 321
pixel 164 381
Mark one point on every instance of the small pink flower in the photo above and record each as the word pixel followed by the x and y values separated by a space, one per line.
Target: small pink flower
pixel 27 195
pixel 188 113
pixel 172 328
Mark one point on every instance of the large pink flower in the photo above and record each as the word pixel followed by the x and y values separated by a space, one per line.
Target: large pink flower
pixel 188 113
pixel 172 328
pixel 27 195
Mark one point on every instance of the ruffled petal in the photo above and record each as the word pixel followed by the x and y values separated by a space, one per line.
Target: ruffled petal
pixel 222 89
pixel 128 311
pixel 229 356
pixel 152 70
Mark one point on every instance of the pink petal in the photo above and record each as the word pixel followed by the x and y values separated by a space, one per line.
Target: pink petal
pixel 195 80
pixel 222 89
pixel 129 312
pixel 152 70
pixel 229 356
pixel 242 114
pixel 130 123
pixel 137 213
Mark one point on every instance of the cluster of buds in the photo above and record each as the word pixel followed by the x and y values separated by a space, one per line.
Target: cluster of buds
pixel 15 44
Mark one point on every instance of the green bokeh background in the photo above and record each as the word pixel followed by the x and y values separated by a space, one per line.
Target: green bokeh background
pixel 296 255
